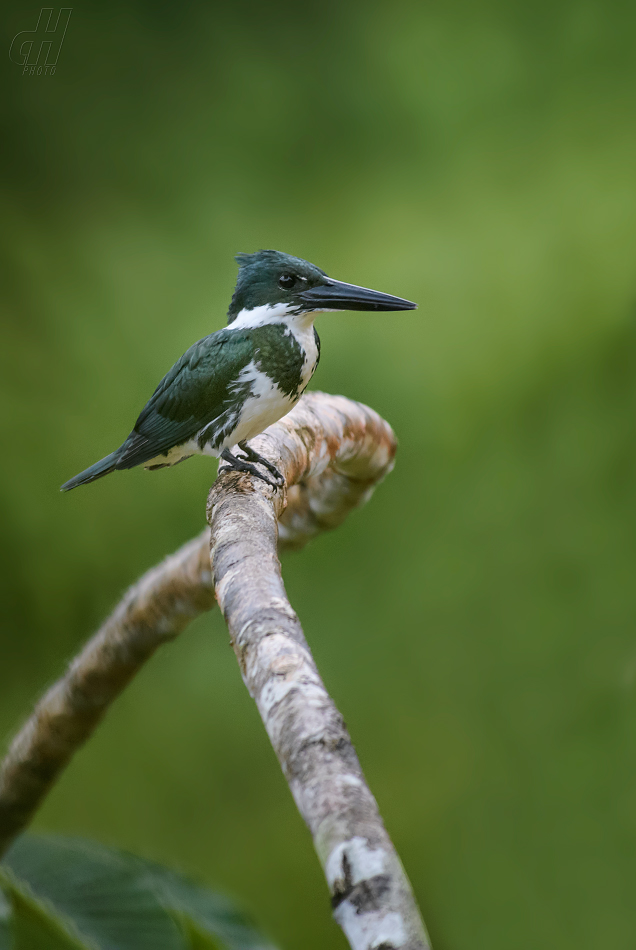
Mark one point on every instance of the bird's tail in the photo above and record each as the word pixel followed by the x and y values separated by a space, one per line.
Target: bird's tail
pixel 97 470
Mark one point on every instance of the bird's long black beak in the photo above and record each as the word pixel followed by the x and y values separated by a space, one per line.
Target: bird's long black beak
pixel 335 295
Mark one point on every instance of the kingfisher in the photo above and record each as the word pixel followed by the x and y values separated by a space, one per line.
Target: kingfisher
pixel 234 383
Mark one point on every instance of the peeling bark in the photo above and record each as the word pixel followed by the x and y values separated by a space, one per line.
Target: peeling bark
pixel 332 452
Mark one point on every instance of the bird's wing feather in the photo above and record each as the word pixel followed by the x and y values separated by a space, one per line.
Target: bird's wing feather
pixel 195 392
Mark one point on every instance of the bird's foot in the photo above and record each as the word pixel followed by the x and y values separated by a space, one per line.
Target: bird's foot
pixel 240 464
pixel 253 456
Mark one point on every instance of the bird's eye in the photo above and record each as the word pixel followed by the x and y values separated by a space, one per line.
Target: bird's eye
pixel 286 281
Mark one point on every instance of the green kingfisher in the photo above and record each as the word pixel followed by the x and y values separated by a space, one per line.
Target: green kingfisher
pixel 234 383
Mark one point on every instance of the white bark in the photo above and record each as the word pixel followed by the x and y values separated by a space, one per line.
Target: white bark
pixel 370 892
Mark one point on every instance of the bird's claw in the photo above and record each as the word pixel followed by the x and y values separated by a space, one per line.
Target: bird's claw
pixel 252 456
pixel 240 464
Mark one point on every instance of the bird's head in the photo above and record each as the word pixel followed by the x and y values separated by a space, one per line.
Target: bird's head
pixel 289 285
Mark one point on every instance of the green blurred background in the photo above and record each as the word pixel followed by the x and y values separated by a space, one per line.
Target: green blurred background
pixel 475 623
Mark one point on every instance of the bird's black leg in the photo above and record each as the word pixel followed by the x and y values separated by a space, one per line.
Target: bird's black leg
pixel 235 464
pixel 253 456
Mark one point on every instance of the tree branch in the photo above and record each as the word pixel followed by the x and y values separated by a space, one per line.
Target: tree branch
pixel 153 611
pixel 370 893
pixel 332 452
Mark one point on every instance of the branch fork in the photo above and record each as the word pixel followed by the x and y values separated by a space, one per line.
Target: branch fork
pixel 332 452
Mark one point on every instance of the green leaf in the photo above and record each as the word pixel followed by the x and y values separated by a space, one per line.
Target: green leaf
pixel 212 915
pixel 6 936
pixel 32 922
pixel 198 940
pixel 112 900
pixel 98 890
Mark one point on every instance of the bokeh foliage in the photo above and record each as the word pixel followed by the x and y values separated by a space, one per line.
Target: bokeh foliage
pixel 476 622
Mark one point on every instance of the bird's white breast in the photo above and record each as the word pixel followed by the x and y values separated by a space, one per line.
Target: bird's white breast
pixel 267 403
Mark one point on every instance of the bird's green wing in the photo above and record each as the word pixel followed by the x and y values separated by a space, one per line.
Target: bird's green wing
pixel 195 392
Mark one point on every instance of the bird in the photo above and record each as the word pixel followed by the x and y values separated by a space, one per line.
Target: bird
pixel 234 383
